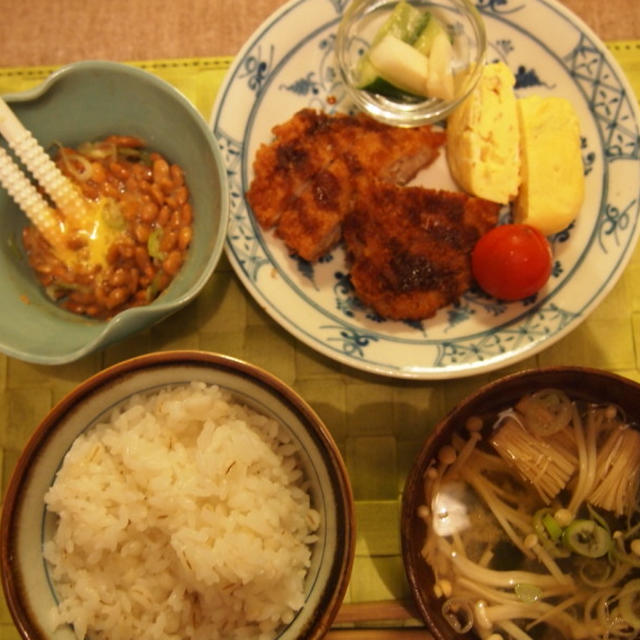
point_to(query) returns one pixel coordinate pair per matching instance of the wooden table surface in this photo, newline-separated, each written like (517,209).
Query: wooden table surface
(51,32)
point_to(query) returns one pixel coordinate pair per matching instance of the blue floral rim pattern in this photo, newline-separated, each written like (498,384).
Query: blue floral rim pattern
(288,64)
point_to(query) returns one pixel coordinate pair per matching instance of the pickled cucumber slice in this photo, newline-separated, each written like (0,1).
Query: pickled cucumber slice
(423,54)
(382,87)
(440,81)
(400,64)
(405,23)
(424,41)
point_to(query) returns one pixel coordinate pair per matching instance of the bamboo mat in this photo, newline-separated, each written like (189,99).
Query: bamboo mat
(378,423)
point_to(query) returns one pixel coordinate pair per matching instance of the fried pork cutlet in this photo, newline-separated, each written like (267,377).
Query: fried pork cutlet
(410,247)
(311,223)
(304,180)
(284,167)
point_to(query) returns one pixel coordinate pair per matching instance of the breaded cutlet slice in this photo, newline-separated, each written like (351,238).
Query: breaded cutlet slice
(283,168)
(392,154)
(311,141)
(409,247)
(310,221)
(311,224)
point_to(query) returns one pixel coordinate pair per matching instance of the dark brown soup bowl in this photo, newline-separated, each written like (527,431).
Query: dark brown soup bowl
(578,382)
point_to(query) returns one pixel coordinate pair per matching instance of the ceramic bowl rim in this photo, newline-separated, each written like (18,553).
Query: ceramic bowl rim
(427,450)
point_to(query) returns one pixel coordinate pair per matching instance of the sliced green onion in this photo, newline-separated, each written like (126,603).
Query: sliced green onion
(587,538)
(528,592)
(153,244)
(129,153)
(77,165)
(551,545)
(551,525)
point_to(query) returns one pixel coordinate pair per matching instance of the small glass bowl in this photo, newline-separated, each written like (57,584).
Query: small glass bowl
(360,23)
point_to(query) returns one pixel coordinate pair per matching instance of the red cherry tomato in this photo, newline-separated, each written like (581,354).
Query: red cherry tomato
(512,261)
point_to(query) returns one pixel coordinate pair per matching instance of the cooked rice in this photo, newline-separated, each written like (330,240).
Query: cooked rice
(184,515)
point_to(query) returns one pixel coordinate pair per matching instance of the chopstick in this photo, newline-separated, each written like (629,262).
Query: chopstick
(399,633)
(29,200)
(385,611)
(44,170)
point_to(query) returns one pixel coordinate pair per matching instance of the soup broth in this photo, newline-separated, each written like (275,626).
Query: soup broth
(533,524)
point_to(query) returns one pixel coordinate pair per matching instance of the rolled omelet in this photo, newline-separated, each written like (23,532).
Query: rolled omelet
(483,138)
(552,174)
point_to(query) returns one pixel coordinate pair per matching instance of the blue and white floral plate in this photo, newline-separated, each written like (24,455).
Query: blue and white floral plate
(289,64)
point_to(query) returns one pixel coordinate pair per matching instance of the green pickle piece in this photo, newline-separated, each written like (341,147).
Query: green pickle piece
(385,88)
(368,75)
(427,35)
(405,22)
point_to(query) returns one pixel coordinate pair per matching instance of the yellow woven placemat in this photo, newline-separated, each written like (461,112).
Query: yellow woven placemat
(379,424)
(200,78)
(197,78)
(627,53)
